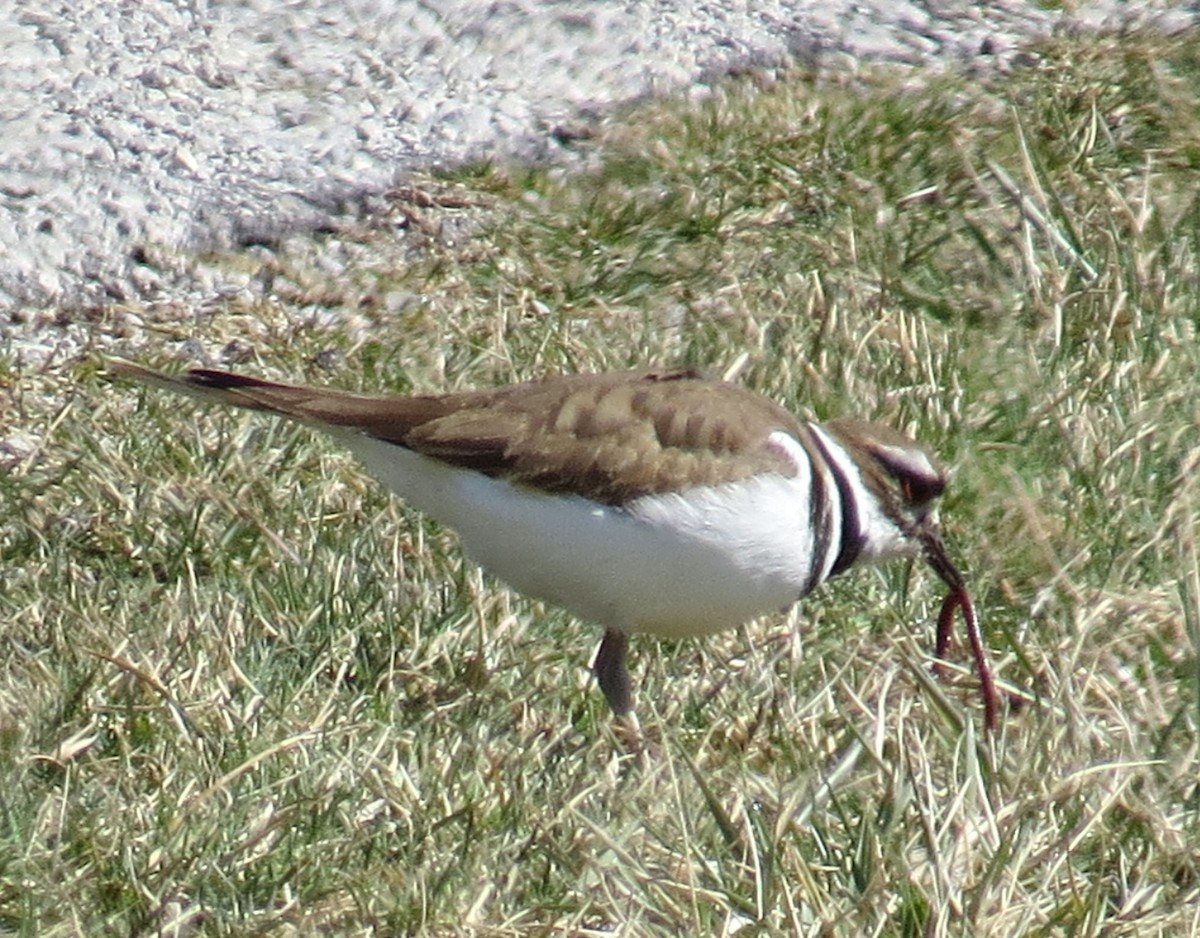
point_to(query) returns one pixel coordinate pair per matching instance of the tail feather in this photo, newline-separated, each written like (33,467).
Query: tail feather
(216,387)
(388,418)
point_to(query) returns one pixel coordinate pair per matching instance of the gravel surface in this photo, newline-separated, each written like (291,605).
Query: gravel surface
(140,132)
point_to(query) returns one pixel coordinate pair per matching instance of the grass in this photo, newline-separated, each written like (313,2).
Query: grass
(243,692)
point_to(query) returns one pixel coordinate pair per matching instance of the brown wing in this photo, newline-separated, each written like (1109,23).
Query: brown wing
(611,437)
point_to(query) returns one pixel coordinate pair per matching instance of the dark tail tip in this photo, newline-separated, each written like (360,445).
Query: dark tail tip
(212,378)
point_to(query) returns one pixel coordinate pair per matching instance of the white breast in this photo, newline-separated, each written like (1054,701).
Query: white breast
(676,564)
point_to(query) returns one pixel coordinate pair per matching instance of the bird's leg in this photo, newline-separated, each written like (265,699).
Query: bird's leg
(613,677)
(611,673)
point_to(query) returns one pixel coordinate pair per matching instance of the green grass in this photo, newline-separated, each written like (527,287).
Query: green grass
(245,693)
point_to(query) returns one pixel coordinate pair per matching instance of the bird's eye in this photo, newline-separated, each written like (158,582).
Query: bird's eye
(919,490)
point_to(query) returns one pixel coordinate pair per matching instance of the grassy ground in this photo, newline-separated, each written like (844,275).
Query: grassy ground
(243,692)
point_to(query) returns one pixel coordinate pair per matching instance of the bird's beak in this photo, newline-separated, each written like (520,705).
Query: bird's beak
(936,556)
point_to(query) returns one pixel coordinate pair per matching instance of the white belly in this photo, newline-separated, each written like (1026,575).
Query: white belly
(672,564)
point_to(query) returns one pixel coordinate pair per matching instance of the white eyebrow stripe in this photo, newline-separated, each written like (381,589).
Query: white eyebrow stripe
(912,459)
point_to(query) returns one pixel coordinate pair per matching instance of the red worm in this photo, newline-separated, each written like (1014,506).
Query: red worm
(987,685)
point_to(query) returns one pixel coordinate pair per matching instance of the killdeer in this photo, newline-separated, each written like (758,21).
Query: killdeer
(644,501)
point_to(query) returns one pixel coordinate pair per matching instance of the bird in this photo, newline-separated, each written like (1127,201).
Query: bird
(653,501)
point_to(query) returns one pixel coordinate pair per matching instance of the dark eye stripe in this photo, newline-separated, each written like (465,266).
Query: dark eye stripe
(918,486)
(920,489)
